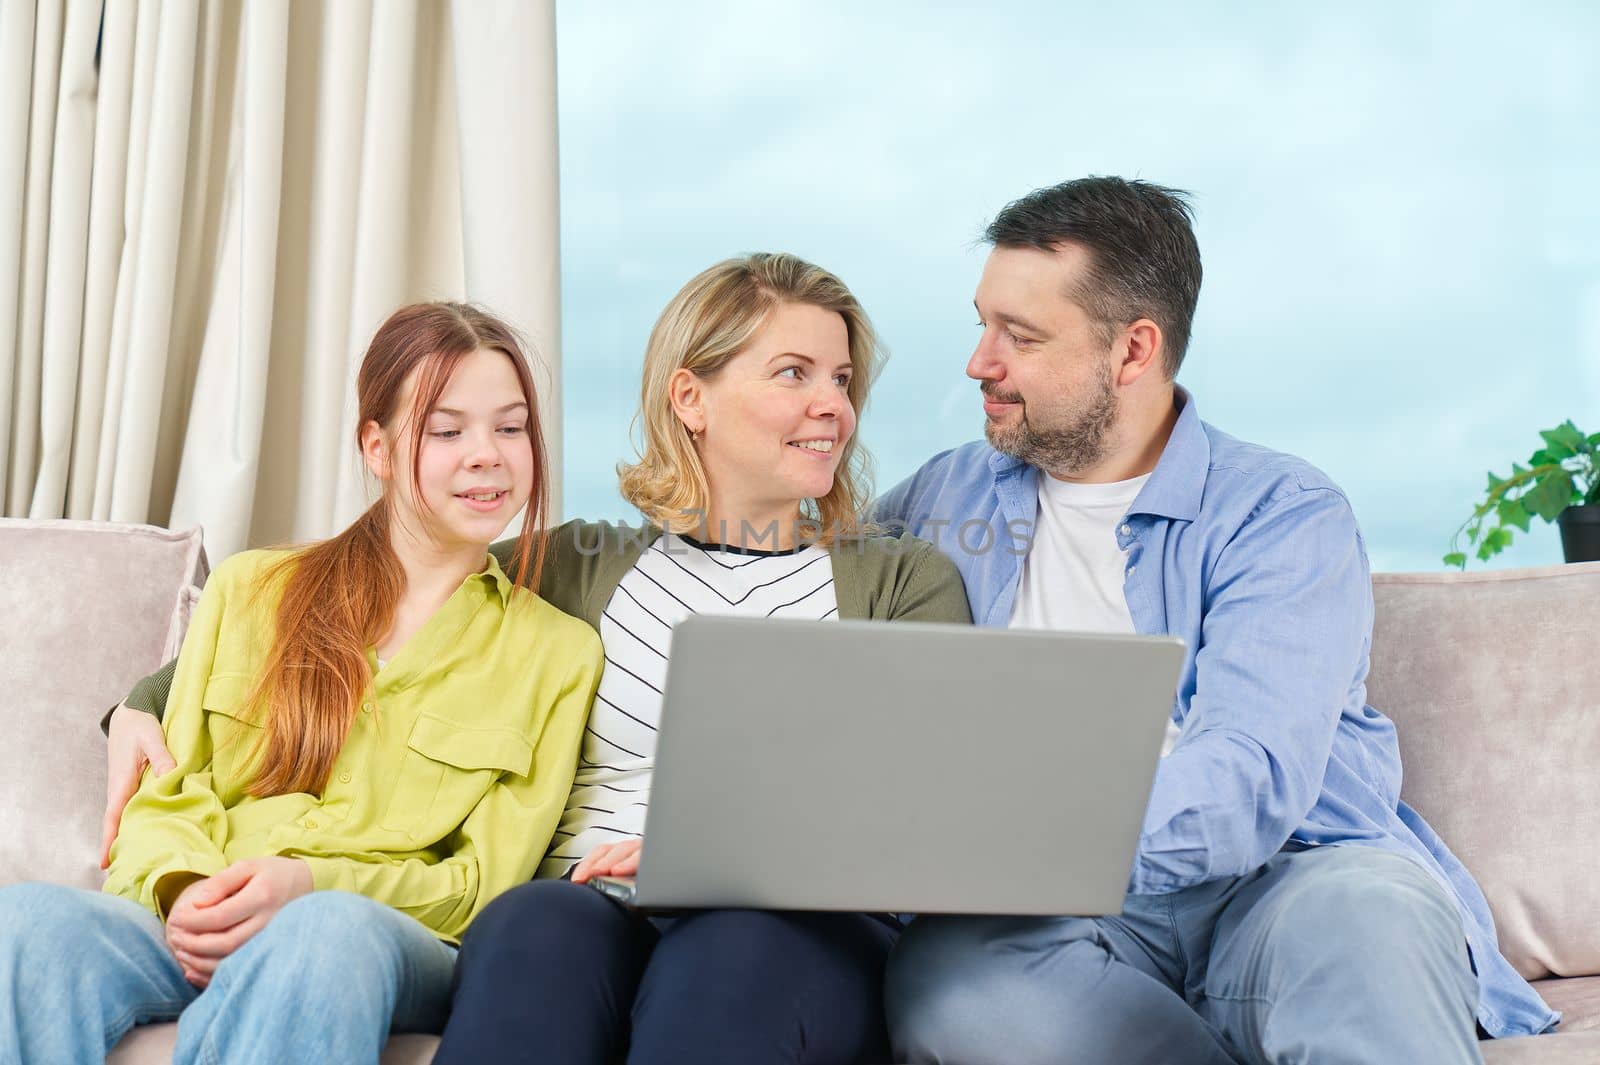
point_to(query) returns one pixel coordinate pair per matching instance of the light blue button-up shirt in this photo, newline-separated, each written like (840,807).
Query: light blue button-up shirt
(1253,557)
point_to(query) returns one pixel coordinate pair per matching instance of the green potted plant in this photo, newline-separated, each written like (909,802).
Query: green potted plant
(1560,483)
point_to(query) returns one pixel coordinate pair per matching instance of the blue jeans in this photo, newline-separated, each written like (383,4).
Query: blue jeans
(554,972)
(326,980)
(1331,955)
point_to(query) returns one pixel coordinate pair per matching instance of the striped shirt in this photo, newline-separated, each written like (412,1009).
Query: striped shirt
(673,579)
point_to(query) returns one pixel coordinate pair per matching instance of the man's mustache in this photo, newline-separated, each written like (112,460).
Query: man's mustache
(994,393)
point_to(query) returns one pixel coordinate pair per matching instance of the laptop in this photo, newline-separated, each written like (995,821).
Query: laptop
(906,767)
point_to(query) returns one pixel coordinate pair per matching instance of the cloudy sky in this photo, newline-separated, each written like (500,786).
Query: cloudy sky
(1398,210)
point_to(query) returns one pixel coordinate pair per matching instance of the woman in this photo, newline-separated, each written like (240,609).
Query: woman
(751,478)
(373,737)
(750,475)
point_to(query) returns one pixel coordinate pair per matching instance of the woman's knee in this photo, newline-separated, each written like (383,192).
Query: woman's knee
(537,903)
(731,948)
(734,952)
(548,964)
(537,923)
(748,986)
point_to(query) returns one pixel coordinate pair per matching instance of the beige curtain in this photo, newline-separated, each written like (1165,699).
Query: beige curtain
(207,207)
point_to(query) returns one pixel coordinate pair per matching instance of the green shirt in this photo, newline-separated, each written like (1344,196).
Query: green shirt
(448,786)
(875,577)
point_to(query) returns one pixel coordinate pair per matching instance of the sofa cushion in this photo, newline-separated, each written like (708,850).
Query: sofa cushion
(86,608)
(1578,1000)
(1491,679)
(153,1045)
(1580,1049)
(1575,1042)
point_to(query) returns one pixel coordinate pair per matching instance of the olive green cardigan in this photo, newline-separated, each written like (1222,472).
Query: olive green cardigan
(875,578)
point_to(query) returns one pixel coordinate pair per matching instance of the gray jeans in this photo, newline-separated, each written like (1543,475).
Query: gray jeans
(1327,955)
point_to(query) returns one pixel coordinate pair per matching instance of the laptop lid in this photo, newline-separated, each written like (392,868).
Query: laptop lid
(907,767)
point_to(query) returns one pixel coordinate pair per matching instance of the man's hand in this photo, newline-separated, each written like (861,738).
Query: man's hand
(609,859)
(135,740)
(216,916)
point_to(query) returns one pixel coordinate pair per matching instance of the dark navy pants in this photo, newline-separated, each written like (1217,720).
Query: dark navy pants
(553,971)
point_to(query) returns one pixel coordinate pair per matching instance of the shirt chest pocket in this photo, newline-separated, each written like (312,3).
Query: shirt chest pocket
(445,769)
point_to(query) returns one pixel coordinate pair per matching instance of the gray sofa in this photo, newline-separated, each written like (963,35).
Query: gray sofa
(1493,679)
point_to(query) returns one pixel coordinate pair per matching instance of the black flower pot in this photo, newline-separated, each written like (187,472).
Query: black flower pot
(1580,533)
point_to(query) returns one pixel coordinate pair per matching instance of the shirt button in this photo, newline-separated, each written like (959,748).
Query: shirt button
(1126,530)
(344,778)
(310,823)
(1131,570)
(366,708)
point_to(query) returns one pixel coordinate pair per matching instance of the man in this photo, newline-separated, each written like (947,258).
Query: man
(1284,904)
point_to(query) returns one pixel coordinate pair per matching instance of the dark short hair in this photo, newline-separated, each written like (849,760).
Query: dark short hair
(1144,261)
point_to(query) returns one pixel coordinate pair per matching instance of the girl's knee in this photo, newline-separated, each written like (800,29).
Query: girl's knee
(325,937)
(52,913)
(35,916)
(24,905)
(337,918)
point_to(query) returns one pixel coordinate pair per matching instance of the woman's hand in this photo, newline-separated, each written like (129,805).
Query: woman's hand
(609,859)
(216,916)
(135,740)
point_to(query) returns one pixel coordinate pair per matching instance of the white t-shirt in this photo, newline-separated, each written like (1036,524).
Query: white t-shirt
(1073,575)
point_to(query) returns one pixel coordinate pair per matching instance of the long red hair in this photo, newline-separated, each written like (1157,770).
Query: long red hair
(340,595)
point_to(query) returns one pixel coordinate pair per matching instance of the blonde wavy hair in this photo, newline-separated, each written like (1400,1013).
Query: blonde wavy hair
(711,319)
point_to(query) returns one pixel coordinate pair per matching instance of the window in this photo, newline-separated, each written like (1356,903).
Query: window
(1398,209)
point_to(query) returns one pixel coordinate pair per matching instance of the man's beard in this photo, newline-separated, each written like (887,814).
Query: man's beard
(1070,449)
